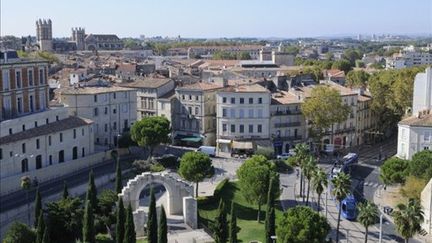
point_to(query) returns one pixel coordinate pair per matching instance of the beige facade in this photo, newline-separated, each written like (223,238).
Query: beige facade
(113,109)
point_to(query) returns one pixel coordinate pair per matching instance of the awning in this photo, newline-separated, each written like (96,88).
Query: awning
(223,140)
(242,145)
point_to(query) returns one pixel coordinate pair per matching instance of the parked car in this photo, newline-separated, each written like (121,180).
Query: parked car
(284,156)
(209,150)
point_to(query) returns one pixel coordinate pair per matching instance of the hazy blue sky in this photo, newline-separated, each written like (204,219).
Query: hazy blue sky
(222,18)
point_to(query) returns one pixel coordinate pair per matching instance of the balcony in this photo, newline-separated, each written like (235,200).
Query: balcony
(285,113)
(287,124)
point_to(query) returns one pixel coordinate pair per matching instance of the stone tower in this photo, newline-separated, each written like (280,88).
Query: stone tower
(44,34)
(78,36)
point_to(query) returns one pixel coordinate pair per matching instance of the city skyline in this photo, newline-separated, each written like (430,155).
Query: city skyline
(193,19)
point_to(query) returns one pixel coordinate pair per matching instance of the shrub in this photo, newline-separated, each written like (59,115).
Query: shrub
(220,187)
(421,165)
(157,167)
(413,187)
(141,166)
(266,152)
(168,161)
(394,170)
(19,232)
(283,166)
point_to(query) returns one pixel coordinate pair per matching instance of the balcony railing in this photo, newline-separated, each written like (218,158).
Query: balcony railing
(287,124)
(287,112)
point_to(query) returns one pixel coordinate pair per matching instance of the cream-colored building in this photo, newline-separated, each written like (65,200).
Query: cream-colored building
(194,121)
(113,109)
(242,117)
(426,203)
(149,90)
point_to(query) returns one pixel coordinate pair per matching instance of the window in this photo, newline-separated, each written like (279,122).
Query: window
(115,126)
(224,112)
(190,97)
(50,160)
(190,110)
(250,128)
(250,100)
(96,111)
(41,76)
(23,148)
(61,137)
(31,103)
(241,128)
(259,128)
(36,124)
(47,121)
(20,104)
(38,162)
(232,128)
(197,98)
(260,113)
(10,131)
(427,136)
(259,100)
(82,132)
(183,97)
(224,127)
(114,111)
(24,165)
(57,118)
(23,127)
(74,153)
(106,110)
(37,144)
(232,112)
(232,100)
(125,107)
(196,110)
(95,98)
(241,113)
(30,77)
(61,156)
(125,124)
(18,79)
(1,153)
(106,127)
(114,95)
(241,100)
(82,152)
(224,99)
(49,140)
(5,76)
(251,113)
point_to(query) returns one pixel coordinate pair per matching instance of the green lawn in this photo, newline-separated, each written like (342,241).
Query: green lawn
(250,229)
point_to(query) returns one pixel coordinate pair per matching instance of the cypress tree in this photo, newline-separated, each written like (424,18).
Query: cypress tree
(233,225)
(152,227)
(119,185)
(120,225)
(129,233)
(163,228)
(46,236)
(220,227)
(38,208)
(270,228)
(65,190)
(91,191)
(40,229)
(88,224)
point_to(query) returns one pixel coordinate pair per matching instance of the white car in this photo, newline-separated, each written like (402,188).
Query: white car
(284,156)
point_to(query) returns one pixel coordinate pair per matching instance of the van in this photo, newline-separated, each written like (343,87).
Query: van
(209,150)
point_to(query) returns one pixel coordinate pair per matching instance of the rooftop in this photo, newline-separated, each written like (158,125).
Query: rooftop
(201,86)
(146,83)
(423,120)
(284,97)
(253,88)
(57,126)
(92,90)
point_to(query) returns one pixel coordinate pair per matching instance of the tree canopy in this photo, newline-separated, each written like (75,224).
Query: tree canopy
(195,166)
(421,165)
(357,78)
(394,170)
(19,232)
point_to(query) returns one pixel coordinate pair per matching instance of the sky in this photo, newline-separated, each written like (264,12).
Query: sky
(221,18)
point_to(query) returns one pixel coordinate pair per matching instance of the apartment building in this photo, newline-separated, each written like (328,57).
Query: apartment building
(113,109)
(242,118)
(148,91)
(194,121)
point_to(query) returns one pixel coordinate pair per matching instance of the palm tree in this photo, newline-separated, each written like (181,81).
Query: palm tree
(301,152)
(319,182)
(26,185)
(341,188)
(368,215)
(408,218)
(309,168)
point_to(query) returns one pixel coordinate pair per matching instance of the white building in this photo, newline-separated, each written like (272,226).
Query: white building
(415,132)
(77,75)
(113,109)
(242,117)
(426,203)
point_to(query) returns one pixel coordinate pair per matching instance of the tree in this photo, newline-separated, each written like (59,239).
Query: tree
(163,228)
(65,190)
(118,182)
(413,187)
(351,55)
(408,219)
(342,65)
(233,225)
(220,226)
(150,132)
(91,191)
(152,227)
(40,228)
(120,222)
(38,208)
(194,167)
(301,152)
(26,185)
(368,215)
(319,182)
(19,232)
(130,235)
(293,50)
(88,224)
(302,224)
(341,187)
(64,219)
(357,78)
(254,177)
(107,200)
(421,165)
(324,108)
(394,170)
(309,170)
(270,228)
(244,55)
